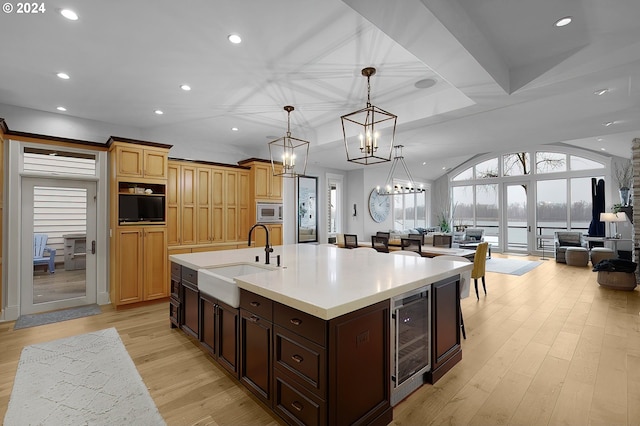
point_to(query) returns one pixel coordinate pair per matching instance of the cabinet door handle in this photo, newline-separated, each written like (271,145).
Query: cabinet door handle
(297,405)
(295,321)
(254,318)
(297,358)
(255,304)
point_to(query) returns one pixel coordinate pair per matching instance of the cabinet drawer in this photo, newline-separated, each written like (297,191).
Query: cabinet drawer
(301,358)
(295,405)
(174,312)
(313,328)
(175,288)
(176,270)
(256,304)
(189,275)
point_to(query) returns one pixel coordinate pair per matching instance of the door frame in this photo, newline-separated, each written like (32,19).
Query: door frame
(26,259)
(504,221)
(12,219)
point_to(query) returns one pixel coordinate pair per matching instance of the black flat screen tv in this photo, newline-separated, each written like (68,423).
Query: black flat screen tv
(140,208)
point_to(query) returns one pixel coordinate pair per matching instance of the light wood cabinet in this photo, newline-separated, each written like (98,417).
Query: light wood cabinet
(275,235)
(264,185)
(188,205)
(204,231)
(174,211)
(244,211)
(154,267)
(138,250)
(141,162)
(141,264)
(212,205)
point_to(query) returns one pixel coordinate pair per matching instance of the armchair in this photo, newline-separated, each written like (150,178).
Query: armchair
(39,248)
(564,239)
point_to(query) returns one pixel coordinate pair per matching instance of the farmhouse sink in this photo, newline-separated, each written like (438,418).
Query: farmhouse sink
(219,282)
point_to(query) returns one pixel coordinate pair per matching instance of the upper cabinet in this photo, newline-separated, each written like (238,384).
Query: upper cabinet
(210,207)
(264,185)
(136,161)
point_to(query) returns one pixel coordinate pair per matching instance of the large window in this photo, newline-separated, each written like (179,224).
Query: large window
(411,210)
(561,198)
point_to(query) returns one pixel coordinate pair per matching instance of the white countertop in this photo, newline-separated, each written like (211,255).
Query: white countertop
(327,281)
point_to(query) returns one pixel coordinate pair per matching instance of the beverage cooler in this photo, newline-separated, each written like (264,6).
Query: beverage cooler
(410,341)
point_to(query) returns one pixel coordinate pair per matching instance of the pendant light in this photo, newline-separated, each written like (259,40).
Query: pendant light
(368,133)
(291,152)
(408,186)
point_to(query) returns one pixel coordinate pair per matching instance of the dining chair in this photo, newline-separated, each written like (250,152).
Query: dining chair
(380,243)
(418,237)
(350,241)
(383,234)
(442,241)
(479,266)
(405,253)
(465,284)
(411,245)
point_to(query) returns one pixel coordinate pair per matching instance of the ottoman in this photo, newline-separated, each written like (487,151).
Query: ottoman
(601,253)
(617,280)
(577,256)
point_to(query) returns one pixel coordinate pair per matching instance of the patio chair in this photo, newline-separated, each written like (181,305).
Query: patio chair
(39,256)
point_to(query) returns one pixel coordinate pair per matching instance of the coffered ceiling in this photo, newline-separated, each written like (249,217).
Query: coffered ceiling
(505,77)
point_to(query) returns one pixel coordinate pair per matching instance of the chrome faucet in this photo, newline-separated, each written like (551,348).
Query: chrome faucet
(267,248)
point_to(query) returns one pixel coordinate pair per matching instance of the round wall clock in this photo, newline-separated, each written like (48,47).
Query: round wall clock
(379,206)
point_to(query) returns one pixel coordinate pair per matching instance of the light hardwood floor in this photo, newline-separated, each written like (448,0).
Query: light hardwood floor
(549,347)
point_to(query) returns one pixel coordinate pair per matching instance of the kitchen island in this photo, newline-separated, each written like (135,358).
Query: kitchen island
(311,338)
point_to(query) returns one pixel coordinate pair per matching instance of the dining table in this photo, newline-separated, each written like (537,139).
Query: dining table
(429,251)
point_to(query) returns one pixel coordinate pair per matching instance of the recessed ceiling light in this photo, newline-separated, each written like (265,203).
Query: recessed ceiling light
(425,83)
(61,108)
(158,112)
(234,38)
(600,92)
(185,87)
(599,139)
(602,149)
(69,14)
(563,21)
(63,75)
(608,123)
(444,168)
(235,129)
(424,163)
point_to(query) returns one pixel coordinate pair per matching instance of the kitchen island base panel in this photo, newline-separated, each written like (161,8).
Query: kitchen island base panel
(435,375)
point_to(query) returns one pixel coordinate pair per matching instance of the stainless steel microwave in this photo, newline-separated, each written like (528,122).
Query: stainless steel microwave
(269,212)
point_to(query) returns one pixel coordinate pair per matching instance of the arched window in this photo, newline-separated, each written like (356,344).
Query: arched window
(515,195)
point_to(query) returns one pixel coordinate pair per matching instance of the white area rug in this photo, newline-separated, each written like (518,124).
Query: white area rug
(82,380)
(510,266)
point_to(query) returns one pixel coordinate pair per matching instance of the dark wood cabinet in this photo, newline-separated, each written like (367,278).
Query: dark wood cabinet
(227,320)
(175,300)
(255,354)
(359,363)
(191,308)
(319,372)
(299,366)
(214,323)
(207,326)
(445,327)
